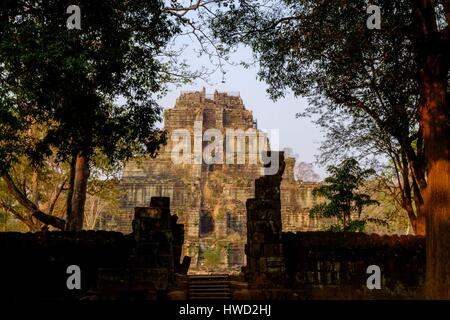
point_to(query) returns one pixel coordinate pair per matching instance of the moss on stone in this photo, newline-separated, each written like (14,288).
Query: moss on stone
(213,256)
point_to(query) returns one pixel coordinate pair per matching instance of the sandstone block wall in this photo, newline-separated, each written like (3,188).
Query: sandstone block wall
(265,262)
(141,265)
(327,265)
(33,265)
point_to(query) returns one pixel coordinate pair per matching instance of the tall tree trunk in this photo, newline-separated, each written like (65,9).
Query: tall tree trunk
(420,223)
(415,215)
(79,192)
(418,201)
(434,120)
(69,217)
(432,57)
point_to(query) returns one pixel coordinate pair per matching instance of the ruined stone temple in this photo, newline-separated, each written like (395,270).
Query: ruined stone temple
(210,199)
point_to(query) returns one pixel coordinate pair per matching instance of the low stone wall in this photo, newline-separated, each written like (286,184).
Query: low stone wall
(34,265)
(334,265)
(138,266)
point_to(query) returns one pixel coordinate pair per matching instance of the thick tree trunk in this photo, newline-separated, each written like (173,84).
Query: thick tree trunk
(421,218)
(433,49)
(420,223)
(437,201)
(434,120)
(417,219)
(76,218)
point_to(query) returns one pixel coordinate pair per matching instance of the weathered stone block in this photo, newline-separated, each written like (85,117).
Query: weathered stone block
(272,250)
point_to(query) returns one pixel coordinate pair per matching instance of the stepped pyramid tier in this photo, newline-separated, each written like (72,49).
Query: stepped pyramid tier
(210,199)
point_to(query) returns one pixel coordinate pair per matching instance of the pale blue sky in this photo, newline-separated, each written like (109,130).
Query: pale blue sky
(299,134)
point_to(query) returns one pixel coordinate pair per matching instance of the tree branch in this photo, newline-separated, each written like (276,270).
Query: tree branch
(184,10)
(55,196)
(29,205)
(26,220)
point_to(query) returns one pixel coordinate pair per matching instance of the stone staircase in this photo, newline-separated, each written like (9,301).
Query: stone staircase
(209,287)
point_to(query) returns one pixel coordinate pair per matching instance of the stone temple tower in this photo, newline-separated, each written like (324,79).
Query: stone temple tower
(210,199)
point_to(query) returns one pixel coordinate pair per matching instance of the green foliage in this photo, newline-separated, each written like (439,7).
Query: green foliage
(213,256)
(68,80)
(91,93)
(344,200)
(192,251)
(221,213)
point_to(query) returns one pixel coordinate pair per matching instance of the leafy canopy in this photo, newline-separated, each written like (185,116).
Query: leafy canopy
(69,81)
